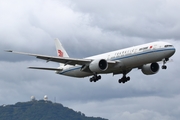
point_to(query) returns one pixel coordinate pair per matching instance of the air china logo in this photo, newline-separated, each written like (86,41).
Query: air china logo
(60,53)
(151,47)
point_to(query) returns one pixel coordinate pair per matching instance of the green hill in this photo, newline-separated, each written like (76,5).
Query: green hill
(41,110)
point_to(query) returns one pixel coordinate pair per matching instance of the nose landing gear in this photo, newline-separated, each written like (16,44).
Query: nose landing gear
(164,62)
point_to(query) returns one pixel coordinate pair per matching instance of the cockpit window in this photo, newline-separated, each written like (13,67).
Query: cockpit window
(168,46)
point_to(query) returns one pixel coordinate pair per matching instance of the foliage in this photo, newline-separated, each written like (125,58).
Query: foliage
(41,110)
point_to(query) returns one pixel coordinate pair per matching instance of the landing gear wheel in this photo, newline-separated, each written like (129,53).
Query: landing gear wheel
(91,79)
(124,79)
(120,81)
(95,78)
(164,67)
(164,62)
(128,78)
(99,77)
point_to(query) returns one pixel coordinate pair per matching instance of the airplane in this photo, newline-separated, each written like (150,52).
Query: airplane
(145,57)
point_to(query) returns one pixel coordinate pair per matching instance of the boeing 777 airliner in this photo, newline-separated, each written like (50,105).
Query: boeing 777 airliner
(144,57)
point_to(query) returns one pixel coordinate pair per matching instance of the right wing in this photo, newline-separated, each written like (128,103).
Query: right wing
(43,68)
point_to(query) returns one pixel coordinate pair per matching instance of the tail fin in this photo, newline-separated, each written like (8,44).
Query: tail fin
(61,52)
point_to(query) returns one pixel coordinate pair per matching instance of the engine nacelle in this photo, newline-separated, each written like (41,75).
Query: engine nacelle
(98,65)
(150,69)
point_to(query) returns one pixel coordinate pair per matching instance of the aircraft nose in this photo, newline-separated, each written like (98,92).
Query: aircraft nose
(173,50)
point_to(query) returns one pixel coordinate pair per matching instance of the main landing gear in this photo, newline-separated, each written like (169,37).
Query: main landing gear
(124,79)
(95,78)
(164,62)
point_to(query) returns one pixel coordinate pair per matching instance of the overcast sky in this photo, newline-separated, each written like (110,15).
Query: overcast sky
(87,28)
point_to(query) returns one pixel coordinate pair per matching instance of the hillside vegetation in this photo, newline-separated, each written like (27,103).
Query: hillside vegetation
(41,110)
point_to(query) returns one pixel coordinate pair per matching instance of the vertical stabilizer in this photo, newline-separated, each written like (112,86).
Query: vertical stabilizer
(61,52)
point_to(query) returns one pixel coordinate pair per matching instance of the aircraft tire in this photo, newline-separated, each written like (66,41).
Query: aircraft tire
(128,78)
(120,80)
(164,67)
(91,79)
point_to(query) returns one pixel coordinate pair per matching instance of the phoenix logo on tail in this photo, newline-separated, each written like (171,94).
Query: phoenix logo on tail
(60,53)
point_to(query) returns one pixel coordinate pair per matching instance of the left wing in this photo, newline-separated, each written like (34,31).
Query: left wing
(65,60)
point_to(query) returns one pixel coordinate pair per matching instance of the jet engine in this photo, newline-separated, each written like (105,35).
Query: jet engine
(150,69)
(98,65)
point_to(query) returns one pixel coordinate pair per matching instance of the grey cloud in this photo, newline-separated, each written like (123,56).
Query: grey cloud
(148,108)
(146,19)
(88,28)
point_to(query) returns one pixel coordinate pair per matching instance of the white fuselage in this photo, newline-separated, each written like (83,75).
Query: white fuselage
(127,59)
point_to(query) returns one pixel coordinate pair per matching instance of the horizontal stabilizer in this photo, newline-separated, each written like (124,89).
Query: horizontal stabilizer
(42,68)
